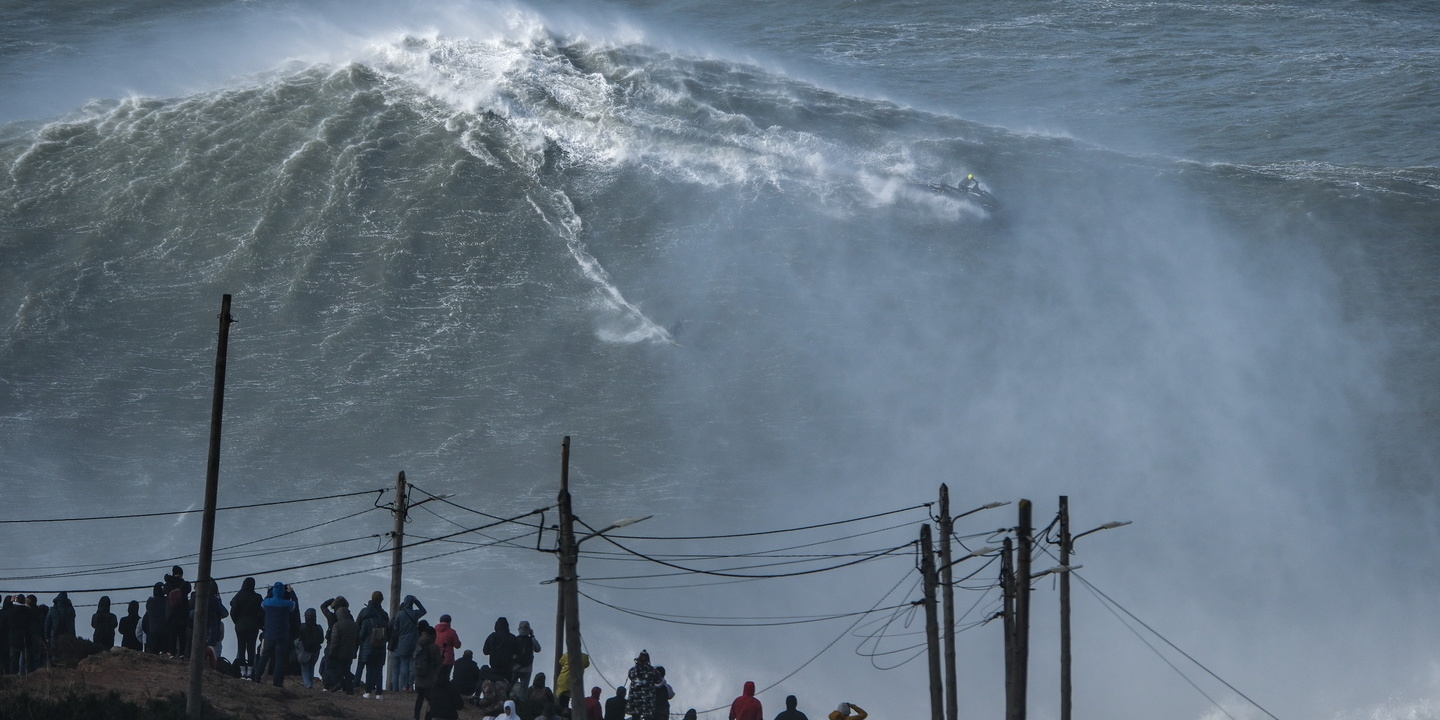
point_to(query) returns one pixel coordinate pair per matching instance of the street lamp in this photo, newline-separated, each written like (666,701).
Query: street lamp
(1066,545)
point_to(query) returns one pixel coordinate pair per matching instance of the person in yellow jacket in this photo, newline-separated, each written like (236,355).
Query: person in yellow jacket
(562,683)
(844,712)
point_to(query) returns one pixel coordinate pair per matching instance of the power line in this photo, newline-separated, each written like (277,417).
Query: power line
(698,620)
(313,564)
(190,512)
(733,575)
(1111,602)
(763,532)
(822,650)
(160,564)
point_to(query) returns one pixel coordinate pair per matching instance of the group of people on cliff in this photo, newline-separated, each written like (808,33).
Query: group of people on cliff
(352,651)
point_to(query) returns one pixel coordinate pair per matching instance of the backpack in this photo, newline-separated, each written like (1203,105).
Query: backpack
(379,634)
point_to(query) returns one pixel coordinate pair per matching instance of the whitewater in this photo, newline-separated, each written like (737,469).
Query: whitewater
(696,238)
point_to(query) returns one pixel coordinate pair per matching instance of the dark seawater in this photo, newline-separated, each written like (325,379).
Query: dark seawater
(695,238)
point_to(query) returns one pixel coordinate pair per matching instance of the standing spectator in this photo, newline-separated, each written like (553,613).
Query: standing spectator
(663,694)
(35,647)
(405,635)
(308,644)
(448,641)
(429,665)
(525,648)
(562,683)
(500,647)
(340,648)
(215,624)
(374,636)
(641,701)
(747,706)
(275,651)
(156,639)
(615,706)
(129,626)
(247,616)
(16,618)
(844,712)
(103,623)
(60,622)
(593,707)
(177,612)
(790,713)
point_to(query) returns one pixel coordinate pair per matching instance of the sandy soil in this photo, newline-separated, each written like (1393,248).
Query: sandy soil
(139,677)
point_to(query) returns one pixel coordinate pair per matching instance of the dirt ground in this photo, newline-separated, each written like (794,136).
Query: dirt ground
(139,677)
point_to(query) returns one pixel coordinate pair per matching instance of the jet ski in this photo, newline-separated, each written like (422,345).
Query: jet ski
(971,193)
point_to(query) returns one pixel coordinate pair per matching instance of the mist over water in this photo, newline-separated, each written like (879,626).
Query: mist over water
(689,237)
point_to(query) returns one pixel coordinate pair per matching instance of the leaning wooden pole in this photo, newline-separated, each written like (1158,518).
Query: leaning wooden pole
(1023,551)
(204,585)
(1007,613)
(947,597)
(563,500)
(397,564)
(1065,607)
(932,640)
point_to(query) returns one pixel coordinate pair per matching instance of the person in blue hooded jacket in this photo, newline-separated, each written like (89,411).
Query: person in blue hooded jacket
(278,607)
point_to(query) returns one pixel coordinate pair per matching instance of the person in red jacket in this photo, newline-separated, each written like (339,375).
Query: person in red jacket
(747,706)
(448,642)
(593,709)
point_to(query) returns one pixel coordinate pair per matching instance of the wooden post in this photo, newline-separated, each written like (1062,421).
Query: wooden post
(947,592)
(1007,589)
(562,541)
(204,584)
(570,582)
(1023,552)
(1065,608)
(397,558)
(932,640)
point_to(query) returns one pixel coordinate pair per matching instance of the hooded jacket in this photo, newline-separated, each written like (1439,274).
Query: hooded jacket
(640,701)
(428,660)
(790,713)
(448,641)
(128,625)
(501,647)
(245,611)
(405,627)
(155,613)
(747,706)
(343,637)
(104,622)
(60,621)
(277,609)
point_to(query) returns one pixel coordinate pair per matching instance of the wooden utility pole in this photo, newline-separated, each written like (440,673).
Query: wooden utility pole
(566,526)
(947,592)
(570,579)
(397,558)
(1024,549)
(932,640)
(1007,612)
(1065,607)
(204,584)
